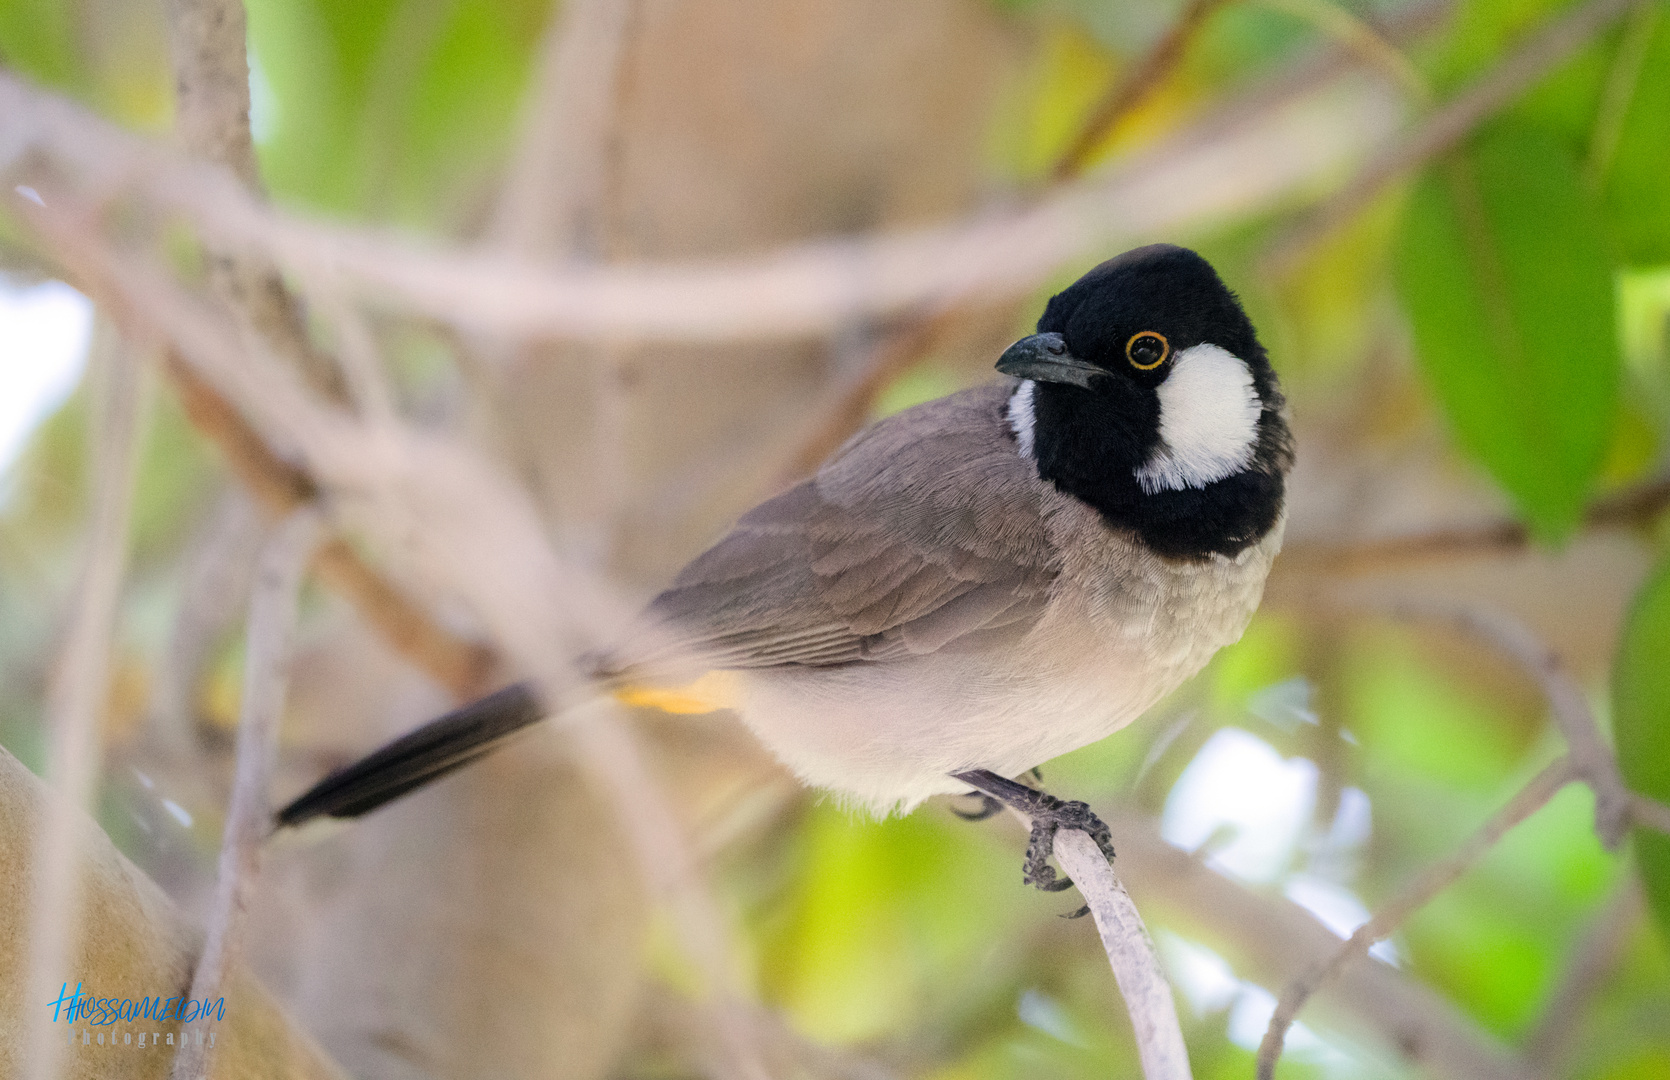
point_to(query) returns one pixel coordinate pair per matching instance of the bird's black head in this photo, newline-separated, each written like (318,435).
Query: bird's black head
(1147,395)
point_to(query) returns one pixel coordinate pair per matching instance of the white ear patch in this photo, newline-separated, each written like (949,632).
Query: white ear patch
(1020,415)
(1208,421)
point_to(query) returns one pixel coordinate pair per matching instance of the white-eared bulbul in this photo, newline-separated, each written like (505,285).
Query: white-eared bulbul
(978,584)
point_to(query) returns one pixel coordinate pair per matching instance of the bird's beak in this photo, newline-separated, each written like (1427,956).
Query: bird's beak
(1044,357)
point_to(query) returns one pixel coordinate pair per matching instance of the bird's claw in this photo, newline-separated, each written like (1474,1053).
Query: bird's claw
(1049,816)
(988,807)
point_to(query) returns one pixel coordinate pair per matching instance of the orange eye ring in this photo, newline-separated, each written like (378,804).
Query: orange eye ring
(1131,348)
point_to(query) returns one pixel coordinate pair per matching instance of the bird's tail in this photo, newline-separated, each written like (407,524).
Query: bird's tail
(471,732)
(418,757)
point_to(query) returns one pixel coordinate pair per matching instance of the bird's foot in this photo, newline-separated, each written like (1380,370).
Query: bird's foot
(1049,815)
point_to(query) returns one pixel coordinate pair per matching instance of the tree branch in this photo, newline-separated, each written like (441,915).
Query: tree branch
(78,692)
(1454,121)
(1149,74)
(272,623)
(1531,798)
(1130,953)
(211,121)
(1634,508)
(1595,957)
(807,290)
(461,666)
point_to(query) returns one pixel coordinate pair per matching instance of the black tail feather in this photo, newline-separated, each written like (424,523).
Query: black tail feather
(418,757)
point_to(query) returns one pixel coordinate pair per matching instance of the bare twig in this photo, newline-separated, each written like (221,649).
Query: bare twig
(554,195)
(1531,798)
(468,532)
(806,290)
(272,623)
(1615,100)
(1629,509)
(1454,121)
(459,665)
(1595,957)
(211,120)
(1592,761)
(1649,813)
(849,408)
(1136,969)
(1362,39)
(1271,940)
(1147,76)
(79,685)
(920,331)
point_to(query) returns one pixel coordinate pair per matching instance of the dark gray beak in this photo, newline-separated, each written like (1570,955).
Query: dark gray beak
(1044,357)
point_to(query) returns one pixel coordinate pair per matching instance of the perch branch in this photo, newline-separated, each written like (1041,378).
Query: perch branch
(79,687)
(1136,969)
(1452,122)
(272,623)
(1531,798)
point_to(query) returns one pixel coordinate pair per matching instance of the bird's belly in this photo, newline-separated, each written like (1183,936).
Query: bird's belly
(887,735)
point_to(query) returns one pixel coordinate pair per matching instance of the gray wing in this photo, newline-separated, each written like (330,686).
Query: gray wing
(925,527)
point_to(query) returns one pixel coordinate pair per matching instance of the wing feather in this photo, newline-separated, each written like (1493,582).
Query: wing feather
(924,528)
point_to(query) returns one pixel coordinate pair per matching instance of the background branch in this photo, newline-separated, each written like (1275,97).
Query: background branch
(78,695)
(1487,95)
(1531,798)
(273,611)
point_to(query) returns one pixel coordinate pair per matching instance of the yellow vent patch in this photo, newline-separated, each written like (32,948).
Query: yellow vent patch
(714,691)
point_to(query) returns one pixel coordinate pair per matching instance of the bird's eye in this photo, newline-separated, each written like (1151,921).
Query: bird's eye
(1147,350)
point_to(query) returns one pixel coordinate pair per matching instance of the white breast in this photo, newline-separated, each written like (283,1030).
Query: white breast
(1208,421)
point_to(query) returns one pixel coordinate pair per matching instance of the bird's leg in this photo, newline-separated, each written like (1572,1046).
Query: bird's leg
(1049,815)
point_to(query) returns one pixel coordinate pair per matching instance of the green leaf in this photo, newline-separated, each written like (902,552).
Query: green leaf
(1641,724)
(1505,274)
(1637,208)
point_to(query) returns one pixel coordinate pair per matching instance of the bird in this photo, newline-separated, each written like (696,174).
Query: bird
(973,586)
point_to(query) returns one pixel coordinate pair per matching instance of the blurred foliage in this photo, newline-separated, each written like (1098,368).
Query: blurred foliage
(1641,719)
(1508,305)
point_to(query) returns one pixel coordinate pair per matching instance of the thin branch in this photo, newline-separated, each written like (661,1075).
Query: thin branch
(1531,798)
(1636,507)
(554,195)
(79,687)
(1149,74)
(1592,761)
(468,532)
(850,407)
(461,666)
(1361,38)
(1272,940)
(806,290)
(1615,99)
(272,624)
(1649,813)
(1487,95)
(921,330)
(1136,969)
(211,120)
(1596,956)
